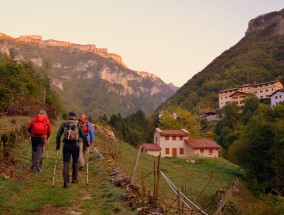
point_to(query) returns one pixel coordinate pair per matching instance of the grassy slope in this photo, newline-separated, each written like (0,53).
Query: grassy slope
(31,193)
(195,177)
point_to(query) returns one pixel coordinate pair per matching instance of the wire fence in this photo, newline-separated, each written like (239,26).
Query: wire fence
(179,203)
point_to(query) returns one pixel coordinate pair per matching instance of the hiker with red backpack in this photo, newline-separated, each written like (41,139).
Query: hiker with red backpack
(39,130)
(71,130)
(89,133)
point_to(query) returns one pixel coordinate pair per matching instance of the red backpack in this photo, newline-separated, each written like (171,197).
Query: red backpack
(84,124)
(39,126)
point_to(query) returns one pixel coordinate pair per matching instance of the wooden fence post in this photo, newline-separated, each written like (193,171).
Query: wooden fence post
(178,196)
(154,189)
(135,164)
(143,187)
(158,177)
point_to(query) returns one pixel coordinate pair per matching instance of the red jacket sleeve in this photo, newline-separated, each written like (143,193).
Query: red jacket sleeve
(48,132)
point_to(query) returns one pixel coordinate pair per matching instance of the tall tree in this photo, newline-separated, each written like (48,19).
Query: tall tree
(260,149)
(179,118)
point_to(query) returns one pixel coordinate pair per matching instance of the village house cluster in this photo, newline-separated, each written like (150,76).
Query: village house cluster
(177,143)
(273,91)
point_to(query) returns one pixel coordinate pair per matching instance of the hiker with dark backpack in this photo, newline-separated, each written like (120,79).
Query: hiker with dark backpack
(89,133)
(39,130)
(71,130)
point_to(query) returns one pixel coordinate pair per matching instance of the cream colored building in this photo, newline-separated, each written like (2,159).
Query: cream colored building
(261,91)
(176,143)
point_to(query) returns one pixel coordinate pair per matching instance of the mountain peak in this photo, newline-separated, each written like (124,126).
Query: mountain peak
(269,24)
(29,38)
(5,36)
(147,74)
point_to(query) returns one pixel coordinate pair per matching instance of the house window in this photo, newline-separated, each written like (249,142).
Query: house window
(180,138)
(210,151)
(201,150)
(167,137)
(279,96)
(174,137)
(167,151)
(156,139)
(276,97)
(181,151)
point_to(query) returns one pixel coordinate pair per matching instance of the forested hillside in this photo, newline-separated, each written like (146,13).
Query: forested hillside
(258,57)
(24,91)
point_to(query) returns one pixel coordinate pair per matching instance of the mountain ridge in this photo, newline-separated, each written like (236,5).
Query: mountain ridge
(76,66)
(257,57)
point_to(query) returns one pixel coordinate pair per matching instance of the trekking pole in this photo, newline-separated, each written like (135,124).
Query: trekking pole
(28,161)
(47,153)
(54,168)
(29,150)
(88,166)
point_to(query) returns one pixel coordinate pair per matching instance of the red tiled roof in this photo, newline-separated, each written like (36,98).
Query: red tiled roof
(178,133)
(151,147)
(253,85)
(198,143)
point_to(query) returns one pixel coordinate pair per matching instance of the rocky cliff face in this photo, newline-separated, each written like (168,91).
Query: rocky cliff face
(91,73)
(85,48)
(272,24)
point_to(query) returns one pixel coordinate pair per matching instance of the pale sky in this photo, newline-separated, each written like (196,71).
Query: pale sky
(173,39)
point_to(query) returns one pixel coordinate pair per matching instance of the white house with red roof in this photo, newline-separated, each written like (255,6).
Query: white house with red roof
(175,143)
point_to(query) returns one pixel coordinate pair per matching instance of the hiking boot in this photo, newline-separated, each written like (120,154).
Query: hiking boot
(32,167)
(75,181)
(39,171)
(66,185)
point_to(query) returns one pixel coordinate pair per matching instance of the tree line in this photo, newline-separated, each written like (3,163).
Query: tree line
(254,139)
(24,90)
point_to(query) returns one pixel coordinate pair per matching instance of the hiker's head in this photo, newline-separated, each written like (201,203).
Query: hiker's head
(42,112)
(83,116)
(72,115)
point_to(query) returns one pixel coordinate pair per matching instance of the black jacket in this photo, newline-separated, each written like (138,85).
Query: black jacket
(63,128)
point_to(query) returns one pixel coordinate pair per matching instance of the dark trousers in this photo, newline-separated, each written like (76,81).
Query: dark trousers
(70,149)
(37,149)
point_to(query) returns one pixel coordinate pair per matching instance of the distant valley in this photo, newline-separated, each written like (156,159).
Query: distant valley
(89,79)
